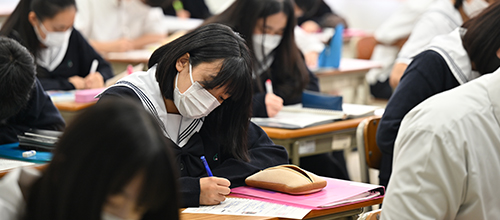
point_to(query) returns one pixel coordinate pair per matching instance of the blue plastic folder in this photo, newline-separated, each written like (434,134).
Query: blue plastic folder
(12,151)
(330,56)
(321,101)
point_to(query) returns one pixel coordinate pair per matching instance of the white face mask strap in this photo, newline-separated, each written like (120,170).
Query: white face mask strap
(191,73)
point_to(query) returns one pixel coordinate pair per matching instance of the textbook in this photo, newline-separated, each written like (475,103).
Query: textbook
(296,116)
(336,193)
(291,117)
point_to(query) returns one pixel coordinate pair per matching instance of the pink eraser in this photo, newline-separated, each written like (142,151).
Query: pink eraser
(87,95)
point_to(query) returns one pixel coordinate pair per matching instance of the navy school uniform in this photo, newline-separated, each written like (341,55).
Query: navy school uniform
(76,62)
(39,113)
(262,151)
(427,74)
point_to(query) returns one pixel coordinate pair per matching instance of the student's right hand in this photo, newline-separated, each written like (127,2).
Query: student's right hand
(77,81)
(213,190)
(274,104)
(122,45)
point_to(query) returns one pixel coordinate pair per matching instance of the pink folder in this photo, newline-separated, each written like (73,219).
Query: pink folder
(336,193)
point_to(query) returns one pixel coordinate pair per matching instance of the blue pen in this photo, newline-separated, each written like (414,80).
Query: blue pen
(209,172)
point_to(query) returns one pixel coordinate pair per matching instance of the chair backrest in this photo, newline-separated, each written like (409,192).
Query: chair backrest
(369,153)
(365,46)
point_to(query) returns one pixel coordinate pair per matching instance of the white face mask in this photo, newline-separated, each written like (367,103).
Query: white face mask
(196,101)
(270,42)
(109,216)
(474,7)
(53,38)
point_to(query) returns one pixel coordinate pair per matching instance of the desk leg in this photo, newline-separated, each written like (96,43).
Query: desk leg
(295,153)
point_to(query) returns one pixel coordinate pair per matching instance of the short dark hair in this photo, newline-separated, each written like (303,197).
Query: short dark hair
(18,21)
(207,44)
(94,160)
(17,77)
(482,39)
(242,16)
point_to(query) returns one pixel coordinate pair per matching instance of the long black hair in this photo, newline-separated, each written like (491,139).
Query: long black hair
(17,25)
(481,41)
(94,160)
(207,44)
(242,16)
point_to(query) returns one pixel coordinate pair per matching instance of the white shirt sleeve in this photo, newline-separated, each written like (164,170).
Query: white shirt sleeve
(154,23)
(429,26)
(429,176)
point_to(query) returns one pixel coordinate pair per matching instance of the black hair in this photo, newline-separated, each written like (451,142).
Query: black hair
(207,44)
(308,6)
(481,41)
(242,16)
(458,4)
(17,77)
(158,3)
(94,160)
(17,24)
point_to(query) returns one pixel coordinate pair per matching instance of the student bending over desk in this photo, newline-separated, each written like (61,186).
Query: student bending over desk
(63,56)
(447,156)
(120,169)
(450,61)
(24,104)
(198,88)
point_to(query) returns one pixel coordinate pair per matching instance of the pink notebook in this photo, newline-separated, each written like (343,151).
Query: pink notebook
(336,193)
(87,95)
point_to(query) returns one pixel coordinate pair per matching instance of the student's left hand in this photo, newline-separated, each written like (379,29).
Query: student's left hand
(311,59)
(94,81)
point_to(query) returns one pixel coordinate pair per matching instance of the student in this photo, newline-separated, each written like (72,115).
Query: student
(121,169)
(63,56)
(446,157)
(451,60)
(390,37)
(441,17)
(269,31)
(24,104)
(119,25)
(268,28)
(315,15)
(198,88)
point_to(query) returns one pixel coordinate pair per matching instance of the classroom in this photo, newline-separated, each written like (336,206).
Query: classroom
(249,109)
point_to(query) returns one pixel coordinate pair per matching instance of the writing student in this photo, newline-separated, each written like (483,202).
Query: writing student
(24,103)
(198,88)
(450,60)
(120,25)
(63,56)
(268,28)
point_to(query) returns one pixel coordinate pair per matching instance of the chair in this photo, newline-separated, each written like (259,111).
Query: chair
(365,46)
(369,153)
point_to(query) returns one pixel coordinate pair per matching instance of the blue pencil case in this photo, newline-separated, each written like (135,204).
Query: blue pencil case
(12,151)
(318,100)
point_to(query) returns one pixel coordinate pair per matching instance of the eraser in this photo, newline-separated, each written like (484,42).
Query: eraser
(29,153)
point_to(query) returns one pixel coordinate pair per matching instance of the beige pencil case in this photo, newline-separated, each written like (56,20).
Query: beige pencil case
(288,179)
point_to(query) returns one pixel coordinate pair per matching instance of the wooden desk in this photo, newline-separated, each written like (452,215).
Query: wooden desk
(315,140)
(70,109)
(333,213)
(348,81)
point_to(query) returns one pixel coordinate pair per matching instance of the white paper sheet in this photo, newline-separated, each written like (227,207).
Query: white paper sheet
(6,164)
(239,206)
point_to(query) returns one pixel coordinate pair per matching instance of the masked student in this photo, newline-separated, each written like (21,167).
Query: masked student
(24,103)
(62,55)
(120,25)
(121,169)
(268,28)
(442,17)
(198,88)
(449,61)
